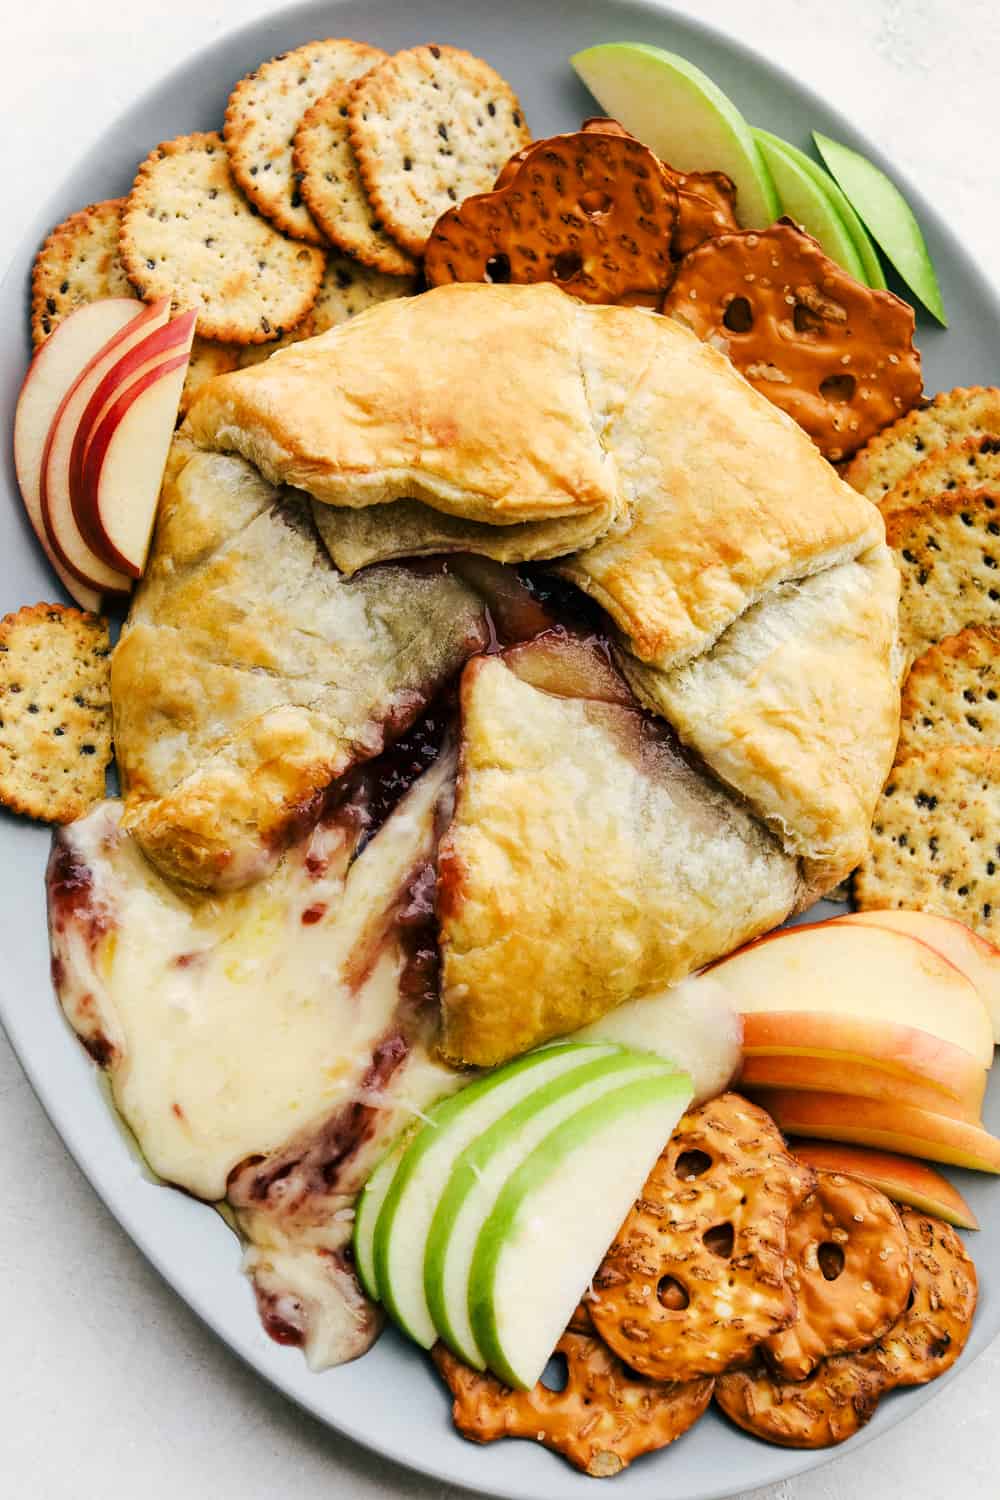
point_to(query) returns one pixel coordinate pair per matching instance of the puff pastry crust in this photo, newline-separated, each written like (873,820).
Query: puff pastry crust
(796,707)
(250,675)
(587,862)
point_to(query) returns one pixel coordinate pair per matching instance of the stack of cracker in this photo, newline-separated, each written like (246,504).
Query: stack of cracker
(936,837)
(313,202)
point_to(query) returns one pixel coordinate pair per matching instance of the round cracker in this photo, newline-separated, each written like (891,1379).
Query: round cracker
(188,232)
(430,127)
(952,417)
(208,359)
(332,187)
(973,463)
(263,114)
(349,288)
(78,263)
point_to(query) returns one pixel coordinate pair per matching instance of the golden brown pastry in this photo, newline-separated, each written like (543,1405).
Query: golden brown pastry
(587,862)
(796,707)
(250,675)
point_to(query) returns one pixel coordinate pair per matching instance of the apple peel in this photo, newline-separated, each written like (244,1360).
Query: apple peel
(902,1178)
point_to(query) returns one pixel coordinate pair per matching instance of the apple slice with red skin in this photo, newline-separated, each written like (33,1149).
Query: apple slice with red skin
(125,459)
(902,1052)
(57,508)
(855,972)
(974,955)
(68,350)
(901,1178)
(891,1127)
(169,339)
(840,1075)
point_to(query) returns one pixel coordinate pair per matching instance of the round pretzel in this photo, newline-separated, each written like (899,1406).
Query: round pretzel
(849,1267)
(829,1406)
(603,1418)
(696,1276)
(935,1327)
(592,212)
(835,355)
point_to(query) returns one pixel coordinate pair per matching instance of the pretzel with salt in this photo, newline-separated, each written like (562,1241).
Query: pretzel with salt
(591,212)
(604,1417)
(935,1327)
(849,1267)
(837,356)
(696,1276)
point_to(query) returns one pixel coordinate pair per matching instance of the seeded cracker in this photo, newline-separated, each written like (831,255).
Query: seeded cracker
(188,231)
(333,190)
(952,695)
(969,465)
(952,417)
(948,552)
(208,359)
(348,288)
(55,711)
(78,263)
(262,117)
(935,843)
(430,127)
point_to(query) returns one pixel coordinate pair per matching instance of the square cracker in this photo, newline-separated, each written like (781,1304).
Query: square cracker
(935,842)
(952,695)
(55,711)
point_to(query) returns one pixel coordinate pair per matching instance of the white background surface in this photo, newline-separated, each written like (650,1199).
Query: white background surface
(109,1388)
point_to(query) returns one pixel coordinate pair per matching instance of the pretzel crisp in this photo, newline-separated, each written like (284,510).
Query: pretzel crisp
(591,212)
(934,1329)
(849,1267)
(835,355)
(603,1418)
(831,1405)
(696,1276)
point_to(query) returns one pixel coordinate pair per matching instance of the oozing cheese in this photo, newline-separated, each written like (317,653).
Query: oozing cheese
(236,1024)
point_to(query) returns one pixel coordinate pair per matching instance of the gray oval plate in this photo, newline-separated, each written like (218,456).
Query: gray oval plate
(390,1400)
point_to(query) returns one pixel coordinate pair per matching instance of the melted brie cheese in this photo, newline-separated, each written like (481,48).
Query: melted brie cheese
(233,1025)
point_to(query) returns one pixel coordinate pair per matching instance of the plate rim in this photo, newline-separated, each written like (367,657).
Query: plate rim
(119,1205)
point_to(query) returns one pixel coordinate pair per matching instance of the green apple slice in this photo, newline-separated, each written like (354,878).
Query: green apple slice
(888,217)
(805,200)
(420,1176)
(874,275)
(676,110)
(555,1218)
(368,1209)
(480,1173)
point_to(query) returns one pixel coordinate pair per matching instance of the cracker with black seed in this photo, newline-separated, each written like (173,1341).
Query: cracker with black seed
(430,127)
(333,190)
(262,117)
(952,695)
(969,465)
(255,354)
(78,263)
(209,359)
(935,843)
(55,711)
(948,553)
(349,288)
(952,417)
(188,232)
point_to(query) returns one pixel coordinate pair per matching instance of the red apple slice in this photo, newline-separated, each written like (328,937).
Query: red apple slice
(125,462)
(57,509)
(849,1075)
(170,339)
(974,955)
(902,1052)
(845,970)
(67,351)
(900,1177)
(892,1127)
